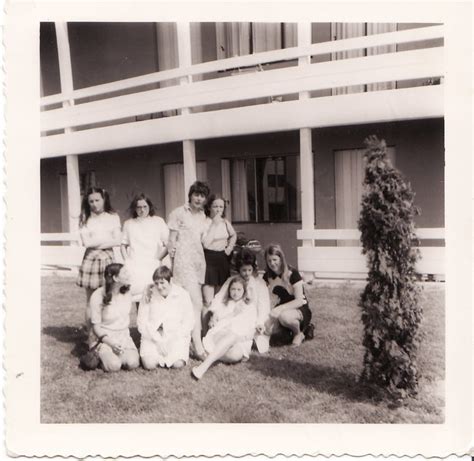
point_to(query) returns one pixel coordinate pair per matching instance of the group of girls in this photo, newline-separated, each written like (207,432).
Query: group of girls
(195,305)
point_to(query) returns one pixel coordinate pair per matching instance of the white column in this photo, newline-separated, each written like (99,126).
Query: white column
(306,151)
(72,162)
(184,60)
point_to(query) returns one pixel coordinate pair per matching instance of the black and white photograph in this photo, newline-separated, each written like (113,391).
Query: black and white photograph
(242,221)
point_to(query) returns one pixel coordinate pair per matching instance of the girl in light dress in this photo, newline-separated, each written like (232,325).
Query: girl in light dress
(165,321)
(187,226)
(144,242)
(232,329)
(110,317)
(99,228)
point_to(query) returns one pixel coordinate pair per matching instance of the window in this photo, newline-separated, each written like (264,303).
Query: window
(263,189)
(241,38)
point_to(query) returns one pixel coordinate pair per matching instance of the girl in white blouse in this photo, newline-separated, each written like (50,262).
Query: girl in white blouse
(165,321)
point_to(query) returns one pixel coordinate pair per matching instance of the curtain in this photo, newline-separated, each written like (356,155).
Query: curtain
(340,31)
(380,28)
(173,175)
(233,39)
(240,206)
(266,36)
(226,187)
(349,177)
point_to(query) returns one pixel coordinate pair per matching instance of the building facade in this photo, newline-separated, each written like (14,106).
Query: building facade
(272,115)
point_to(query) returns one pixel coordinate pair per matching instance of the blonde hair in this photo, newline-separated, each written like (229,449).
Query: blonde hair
(233,280)
(275,250)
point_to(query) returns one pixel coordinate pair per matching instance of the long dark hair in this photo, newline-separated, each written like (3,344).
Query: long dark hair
(111,271)
(85,207)
(132,209)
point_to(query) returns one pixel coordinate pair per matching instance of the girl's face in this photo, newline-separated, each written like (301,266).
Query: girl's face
(217,207)
(142,209)
(197,200)
(236,291)
(274,263)
(246,271)
(96,202)
(163,287)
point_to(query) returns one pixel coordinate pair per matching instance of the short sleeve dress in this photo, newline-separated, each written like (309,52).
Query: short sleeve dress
(91,272)
(189,265)
(146,239)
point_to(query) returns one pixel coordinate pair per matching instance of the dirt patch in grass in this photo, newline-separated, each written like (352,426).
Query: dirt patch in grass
(315,383)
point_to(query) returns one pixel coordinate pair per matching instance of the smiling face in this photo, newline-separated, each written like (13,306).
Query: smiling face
(246,271)
(236,291)
(274,263)
(163,287)
(217,207)
(197,200)
(142,209)
(96,202)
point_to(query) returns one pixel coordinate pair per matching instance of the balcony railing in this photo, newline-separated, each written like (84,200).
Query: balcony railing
(111,116)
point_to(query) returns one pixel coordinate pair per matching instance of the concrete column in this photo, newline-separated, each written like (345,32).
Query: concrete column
(306,151)
(72,162)
(184,60)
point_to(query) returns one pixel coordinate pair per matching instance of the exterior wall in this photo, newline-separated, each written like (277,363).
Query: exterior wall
(123,173)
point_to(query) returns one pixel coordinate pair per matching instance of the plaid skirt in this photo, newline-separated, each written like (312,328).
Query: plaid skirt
(91,272)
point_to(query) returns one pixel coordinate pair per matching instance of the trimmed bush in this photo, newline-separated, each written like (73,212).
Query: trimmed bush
(391,313)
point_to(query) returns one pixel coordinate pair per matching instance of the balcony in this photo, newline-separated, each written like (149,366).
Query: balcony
(264,97)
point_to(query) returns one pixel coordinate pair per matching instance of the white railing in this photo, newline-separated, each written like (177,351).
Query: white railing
(348,261)
(209,94)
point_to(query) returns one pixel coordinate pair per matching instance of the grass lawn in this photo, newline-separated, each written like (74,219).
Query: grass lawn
(315,383)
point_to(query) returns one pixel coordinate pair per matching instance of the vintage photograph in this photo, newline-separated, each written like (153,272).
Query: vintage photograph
(242,222)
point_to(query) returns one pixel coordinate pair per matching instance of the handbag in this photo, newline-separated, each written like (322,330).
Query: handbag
(91,360)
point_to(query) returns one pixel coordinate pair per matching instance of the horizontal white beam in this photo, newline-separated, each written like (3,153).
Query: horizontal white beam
(433,233)
(60,237)
(365,70)
(351,259)
(373,107)
(406,36)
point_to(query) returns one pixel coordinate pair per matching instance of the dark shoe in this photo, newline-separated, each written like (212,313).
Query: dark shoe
(309,332)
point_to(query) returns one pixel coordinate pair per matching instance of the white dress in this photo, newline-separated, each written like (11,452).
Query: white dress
(238,318)
(146,239)
(168,321)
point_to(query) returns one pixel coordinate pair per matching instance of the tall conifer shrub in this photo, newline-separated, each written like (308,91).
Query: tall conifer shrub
(391,313)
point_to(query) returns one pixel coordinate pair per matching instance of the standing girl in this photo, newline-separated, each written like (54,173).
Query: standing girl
(187,226)
(290,310)
(144,241)
(100,232)
(232,330)
(218,245)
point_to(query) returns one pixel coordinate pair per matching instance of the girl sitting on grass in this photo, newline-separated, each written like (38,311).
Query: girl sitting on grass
(232,329)
(110,317)
(165,321)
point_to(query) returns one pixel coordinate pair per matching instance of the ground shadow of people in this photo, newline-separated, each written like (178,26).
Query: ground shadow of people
(78,337)
(319,377)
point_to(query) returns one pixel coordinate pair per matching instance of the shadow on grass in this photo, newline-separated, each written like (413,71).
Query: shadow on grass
(320,378)
(77,336)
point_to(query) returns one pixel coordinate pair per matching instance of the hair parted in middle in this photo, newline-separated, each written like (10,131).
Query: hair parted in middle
(233,280)
(132,209)
(212,198)
(275,250)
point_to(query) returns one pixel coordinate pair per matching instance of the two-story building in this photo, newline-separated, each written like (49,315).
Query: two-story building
(272,115)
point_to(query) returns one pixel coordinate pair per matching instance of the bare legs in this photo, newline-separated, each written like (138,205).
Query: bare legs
(113,362)
(224,351)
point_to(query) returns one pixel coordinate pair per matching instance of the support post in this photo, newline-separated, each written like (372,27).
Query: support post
(72,162)
(184,60)
(306,152)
